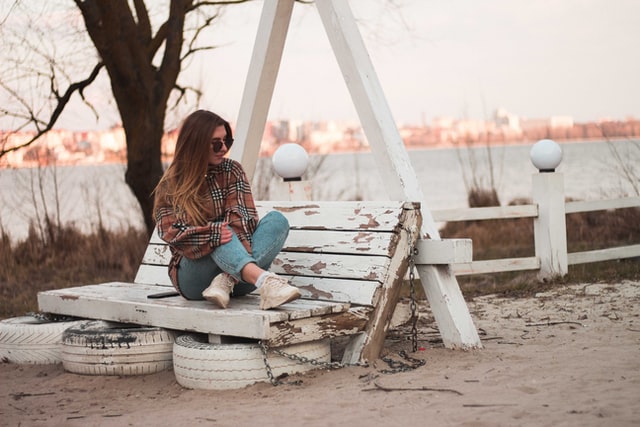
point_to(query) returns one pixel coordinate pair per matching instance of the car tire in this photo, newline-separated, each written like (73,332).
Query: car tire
(108,348)
(32,339)
(198,364)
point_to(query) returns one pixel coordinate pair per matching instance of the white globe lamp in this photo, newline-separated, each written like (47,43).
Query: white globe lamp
(546,155)
(290,161)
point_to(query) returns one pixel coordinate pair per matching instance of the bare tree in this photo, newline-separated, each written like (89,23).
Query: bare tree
(142,52)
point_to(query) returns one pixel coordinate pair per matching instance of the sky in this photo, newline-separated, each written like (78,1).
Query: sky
(456,58)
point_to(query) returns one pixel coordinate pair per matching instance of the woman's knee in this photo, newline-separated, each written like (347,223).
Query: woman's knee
(277,220)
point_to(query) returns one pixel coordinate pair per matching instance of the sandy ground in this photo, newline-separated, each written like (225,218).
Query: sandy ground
(569,357)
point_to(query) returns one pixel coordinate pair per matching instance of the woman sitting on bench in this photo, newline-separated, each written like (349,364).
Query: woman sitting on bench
(205,211)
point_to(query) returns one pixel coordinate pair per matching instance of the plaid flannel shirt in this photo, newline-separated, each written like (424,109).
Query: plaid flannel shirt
(231,201)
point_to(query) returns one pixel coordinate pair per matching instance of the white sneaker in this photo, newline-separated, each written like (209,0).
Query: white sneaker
(275,291)
(219,290)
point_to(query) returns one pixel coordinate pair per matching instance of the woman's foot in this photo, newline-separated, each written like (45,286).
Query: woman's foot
(219,290)
(275,291)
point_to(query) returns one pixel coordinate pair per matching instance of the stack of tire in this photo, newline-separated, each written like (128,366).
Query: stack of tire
(107,348)
(96,347)
(89,347)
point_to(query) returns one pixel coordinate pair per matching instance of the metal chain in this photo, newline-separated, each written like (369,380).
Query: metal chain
(413,251)
(397,365)
(400,366)
(272,379)
(300,359)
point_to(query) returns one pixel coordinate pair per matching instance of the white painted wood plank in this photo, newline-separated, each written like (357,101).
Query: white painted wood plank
(354,348)
(128,303)
(449,307)
(312,329)
(343,242)
(446,251)
(157,254)
(296,309)
(494,212)
(330,265)
(496,266)
(608,254)
(361,292)
(387,297)
(260,82)
(365,205)
(153,275)
(311,242)
(322,288)
(299,264)
(601,205)
(338,216)
(318,241)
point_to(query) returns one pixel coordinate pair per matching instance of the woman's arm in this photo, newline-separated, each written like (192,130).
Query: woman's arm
(240,207)
(191,241)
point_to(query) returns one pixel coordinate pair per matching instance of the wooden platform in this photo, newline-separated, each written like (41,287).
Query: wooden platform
(129,303)
(347,258)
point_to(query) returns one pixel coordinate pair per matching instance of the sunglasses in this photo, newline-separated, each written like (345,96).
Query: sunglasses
(216,143)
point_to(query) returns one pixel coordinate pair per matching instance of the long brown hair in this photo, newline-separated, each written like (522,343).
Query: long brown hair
(183,185)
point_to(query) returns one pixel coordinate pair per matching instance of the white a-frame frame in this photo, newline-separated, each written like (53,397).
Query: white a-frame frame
(439,283)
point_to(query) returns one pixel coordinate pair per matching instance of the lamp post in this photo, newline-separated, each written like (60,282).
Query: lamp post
(290,162)
(549,226)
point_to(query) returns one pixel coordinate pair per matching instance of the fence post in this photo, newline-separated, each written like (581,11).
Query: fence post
(550,231)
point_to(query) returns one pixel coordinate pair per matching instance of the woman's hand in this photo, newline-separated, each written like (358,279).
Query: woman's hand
(225,233)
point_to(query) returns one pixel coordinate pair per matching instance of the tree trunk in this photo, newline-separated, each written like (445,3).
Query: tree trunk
(144,165)
(141,88)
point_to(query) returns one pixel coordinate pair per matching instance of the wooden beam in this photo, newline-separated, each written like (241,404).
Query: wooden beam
(261,79)
(447,303)
(597,255)
(446,251)
(497,265)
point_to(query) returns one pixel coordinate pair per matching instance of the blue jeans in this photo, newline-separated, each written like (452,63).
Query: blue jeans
(195,275)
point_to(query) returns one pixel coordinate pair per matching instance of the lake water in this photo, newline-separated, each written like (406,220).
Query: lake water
(90,195)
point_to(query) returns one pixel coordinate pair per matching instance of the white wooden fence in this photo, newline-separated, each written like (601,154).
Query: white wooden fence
(548,212)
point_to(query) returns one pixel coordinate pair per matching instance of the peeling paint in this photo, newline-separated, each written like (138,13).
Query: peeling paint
(291,269)
(316,293)
(371,276)
(296,208)
(363,238)
(372,222)
(318,267)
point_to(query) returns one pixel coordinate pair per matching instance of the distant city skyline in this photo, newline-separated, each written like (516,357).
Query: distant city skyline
(460,59)
(69,147)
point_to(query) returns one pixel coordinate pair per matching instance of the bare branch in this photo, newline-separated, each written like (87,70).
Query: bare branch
(45,126)
(182,90)
(191,50)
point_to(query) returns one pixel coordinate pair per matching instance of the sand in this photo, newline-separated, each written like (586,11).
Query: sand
(568,357)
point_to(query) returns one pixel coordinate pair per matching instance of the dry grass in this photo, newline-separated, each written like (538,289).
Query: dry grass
(65,258)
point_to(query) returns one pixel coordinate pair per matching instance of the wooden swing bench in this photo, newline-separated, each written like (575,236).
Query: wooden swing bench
(349,260)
